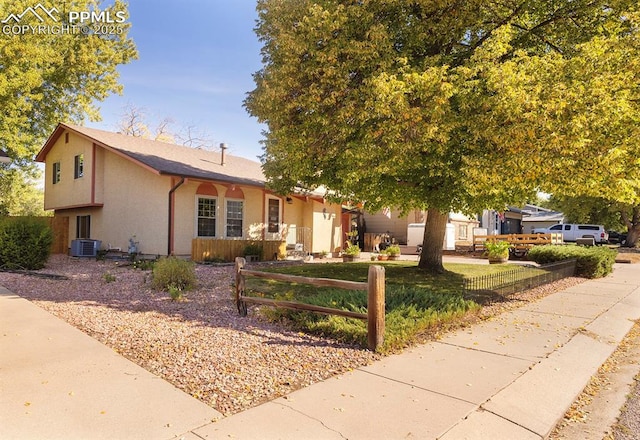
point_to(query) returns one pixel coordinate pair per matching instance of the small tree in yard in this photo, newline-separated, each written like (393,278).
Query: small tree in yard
(448,105)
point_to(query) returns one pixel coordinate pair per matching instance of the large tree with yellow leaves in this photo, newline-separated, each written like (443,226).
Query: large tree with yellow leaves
(449,105)
(50,73)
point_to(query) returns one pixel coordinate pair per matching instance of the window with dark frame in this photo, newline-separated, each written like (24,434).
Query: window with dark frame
(234,218)
(274,216)
(79,166)
(206,217)
(56,172)
(83,226)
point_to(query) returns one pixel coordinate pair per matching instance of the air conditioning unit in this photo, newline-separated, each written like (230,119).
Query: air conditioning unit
(85,247)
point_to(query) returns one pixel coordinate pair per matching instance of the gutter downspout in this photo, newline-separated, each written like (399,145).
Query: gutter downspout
(170,222)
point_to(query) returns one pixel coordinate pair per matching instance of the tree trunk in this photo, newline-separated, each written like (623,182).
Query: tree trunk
(633,225)
(633,236)
(434,230)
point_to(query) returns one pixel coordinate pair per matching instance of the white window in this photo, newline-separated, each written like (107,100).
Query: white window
(56,172)
(235,210)
(462,232)
(207,216)
(78,166)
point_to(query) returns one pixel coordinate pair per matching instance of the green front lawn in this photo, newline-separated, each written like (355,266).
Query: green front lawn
(416,302)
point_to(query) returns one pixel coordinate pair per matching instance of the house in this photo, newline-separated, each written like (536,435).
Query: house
(4,157)
(541,220)
(391,222)
(519,220)
(408,229)
(507,222)
(166,199)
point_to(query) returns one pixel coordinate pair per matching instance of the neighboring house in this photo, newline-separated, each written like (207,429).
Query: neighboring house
(392,222)
(507,222)
(464,226)
(541,220)
(165,197)
(519,220)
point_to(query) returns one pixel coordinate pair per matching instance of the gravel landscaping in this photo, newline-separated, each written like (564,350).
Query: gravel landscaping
(201,345)
(628,426)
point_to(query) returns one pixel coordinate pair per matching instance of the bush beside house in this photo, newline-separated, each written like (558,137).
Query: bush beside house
(25,243)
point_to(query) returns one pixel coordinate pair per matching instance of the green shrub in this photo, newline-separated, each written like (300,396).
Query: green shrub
(108,277)
(497,248)
(25,243)
(253,249)
(214,259)
(143,264)
(175,293)
(392,250)
(174,275)
(592,262)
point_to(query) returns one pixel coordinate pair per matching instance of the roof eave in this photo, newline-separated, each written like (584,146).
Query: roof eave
(53,138)
(229,179)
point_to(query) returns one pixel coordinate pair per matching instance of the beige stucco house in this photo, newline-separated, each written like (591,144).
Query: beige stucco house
(170,198)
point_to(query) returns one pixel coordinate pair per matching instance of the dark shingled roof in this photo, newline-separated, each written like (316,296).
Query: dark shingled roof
(168,159)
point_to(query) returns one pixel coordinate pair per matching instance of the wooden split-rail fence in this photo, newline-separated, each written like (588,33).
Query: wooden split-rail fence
(520,243)
(375,287)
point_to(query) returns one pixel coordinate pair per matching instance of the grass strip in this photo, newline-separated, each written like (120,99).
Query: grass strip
(416,301)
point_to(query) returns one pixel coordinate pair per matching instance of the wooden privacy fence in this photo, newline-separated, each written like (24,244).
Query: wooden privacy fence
(375,287)
(519,242)
(60,226)
(203,249)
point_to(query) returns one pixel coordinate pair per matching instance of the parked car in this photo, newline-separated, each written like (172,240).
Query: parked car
(572,232)
(616,237)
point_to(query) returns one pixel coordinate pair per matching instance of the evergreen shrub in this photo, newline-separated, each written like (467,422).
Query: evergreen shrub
(25,243)
(591,261)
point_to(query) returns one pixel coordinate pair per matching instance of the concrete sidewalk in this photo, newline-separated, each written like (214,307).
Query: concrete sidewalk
(58,383)
(512,377)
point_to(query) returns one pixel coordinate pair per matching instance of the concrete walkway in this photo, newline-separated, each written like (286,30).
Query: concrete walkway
(512,377)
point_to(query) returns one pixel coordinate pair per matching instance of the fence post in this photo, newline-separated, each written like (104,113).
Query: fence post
(375,307)
(242,307)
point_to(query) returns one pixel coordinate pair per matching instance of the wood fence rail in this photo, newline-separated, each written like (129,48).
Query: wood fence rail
(375,287)
(522,242)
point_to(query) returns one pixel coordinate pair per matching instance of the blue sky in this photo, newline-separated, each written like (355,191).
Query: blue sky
(195,66)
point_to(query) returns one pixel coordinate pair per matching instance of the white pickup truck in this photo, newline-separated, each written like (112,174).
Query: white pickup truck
(572,232)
